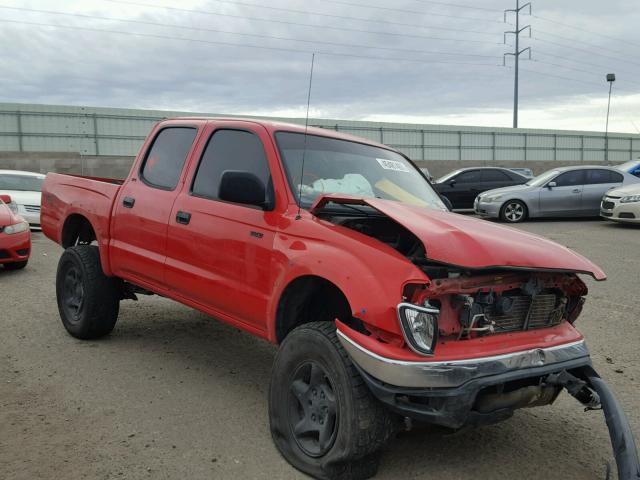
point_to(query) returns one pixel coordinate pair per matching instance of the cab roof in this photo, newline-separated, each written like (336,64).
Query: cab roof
(275,126)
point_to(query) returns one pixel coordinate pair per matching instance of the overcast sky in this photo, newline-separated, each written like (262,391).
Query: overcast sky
(407,60)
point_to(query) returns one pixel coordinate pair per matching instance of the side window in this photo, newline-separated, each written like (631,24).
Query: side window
(229,150)
(165,159)
(468,177)
(568,179)
(636,171)
(618,178)
(596,176)
(495,176)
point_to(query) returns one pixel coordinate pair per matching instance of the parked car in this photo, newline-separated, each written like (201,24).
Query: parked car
(25,189)
(525,172)
(384,304)
(462,186)
(15,237)
(622,204)
(632,167)
(561,192)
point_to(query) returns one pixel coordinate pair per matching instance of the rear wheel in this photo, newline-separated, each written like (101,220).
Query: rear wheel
(513,211)
(324,420)
(88,300)
(15,265)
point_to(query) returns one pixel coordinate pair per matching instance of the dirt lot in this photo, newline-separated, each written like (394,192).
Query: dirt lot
(172,394)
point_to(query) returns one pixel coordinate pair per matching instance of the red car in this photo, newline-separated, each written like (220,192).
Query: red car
(15,237)
(385,305)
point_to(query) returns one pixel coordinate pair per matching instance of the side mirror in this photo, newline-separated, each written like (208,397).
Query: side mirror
(452,183)
(550,185)
(6,199)
(244,188)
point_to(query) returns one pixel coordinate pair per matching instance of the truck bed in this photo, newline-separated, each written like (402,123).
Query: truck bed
(64,195)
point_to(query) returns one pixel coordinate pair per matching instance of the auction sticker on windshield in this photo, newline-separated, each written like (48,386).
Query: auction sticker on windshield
(392,165)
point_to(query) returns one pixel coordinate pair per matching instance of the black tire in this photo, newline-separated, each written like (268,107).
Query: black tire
(88,300)
(360,425)
(16,265)
(513,211)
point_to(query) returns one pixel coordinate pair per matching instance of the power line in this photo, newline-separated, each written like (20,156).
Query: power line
(457,5)
(574,40)
(327,15)
(581,62)
(398,10)
(200,29)
(590,52)
(571,79)
(323,27)
(567,67)
(619,39)
(262,47)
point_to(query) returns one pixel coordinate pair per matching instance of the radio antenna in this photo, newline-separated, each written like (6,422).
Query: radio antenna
(306,127)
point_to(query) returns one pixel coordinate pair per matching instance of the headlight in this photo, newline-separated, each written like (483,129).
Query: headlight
(630,199)
(419,326)
(492,198)
(16,228)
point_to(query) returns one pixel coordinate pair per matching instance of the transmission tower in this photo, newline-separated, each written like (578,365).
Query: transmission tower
(516,52)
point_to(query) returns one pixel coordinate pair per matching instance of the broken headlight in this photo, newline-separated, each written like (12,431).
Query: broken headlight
(419,326)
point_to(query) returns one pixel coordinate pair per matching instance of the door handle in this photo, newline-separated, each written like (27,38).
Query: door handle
(183,217)
(576,190)
(128,202)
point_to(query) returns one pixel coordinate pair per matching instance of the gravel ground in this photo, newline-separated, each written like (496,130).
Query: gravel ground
(172,394)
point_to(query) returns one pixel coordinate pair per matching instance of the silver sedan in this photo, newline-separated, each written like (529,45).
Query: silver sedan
(561,192)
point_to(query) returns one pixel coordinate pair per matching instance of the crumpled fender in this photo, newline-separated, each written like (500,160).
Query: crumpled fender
(371,274)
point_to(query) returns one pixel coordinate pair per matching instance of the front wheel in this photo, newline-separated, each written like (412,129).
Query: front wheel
(513,211)
(88,300)
(324,420)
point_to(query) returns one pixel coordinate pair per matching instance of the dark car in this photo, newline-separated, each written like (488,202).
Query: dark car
(462,186)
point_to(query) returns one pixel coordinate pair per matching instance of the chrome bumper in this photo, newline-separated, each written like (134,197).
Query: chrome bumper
(453,374)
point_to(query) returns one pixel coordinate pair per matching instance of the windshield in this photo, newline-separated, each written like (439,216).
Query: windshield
(340,166)
(21,183)
(543,178)
(449,175)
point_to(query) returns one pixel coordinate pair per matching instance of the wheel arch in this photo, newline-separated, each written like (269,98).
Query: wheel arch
(311,298)
(77,229)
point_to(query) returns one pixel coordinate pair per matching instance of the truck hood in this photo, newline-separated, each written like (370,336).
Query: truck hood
(467,242)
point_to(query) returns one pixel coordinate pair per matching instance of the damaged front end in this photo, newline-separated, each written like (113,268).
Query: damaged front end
(489,331)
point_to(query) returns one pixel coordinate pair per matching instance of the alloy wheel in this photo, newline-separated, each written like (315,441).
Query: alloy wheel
(514,212)
(313,409)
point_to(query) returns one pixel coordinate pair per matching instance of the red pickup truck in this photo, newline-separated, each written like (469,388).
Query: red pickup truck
(386,307)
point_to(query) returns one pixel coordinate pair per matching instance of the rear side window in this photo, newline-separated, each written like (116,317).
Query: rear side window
(468,177)
(618,178)
(495,176)
(237,150)
(596,176)
(165,159)
(568,179)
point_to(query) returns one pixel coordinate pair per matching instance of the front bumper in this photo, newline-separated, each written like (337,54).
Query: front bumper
(15,248)
(445,393)
(486,209)
(613,209)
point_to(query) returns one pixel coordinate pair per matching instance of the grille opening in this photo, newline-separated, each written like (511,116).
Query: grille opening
(540,311)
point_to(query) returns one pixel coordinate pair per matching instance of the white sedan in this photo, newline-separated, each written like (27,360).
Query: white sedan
(622,204)
(25,190)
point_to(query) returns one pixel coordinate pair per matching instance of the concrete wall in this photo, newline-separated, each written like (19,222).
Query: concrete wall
(119,166)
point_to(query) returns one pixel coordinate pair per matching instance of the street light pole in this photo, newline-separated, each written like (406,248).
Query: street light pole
(611,77)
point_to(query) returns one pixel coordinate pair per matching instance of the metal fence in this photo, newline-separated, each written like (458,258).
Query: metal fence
(120,132)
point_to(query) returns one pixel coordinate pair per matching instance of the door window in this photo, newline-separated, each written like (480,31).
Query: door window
(495,176)
(236,150)
(471,176)
(571,178)
(165,159)
(618,178)
(596,176)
